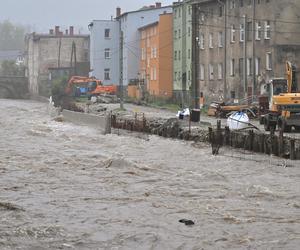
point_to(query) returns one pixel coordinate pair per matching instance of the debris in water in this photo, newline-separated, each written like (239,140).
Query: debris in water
(9,206)
(187,222)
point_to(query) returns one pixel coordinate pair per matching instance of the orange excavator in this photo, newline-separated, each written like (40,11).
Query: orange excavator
(90,86)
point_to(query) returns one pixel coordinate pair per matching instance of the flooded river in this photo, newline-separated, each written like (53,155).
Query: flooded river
(68,187)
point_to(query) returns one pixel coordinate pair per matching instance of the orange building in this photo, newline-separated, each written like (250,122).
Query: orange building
(156,63)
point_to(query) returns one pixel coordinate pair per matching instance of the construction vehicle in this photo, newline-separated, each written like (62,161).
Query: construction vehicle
(90,86)
(284,103)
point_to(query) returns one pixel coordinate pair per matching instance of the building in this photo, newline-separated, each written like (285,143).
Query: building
(54,50)
(124,40)
(156,61)
(12,55)
(182,51)
(105,52)
(243,44)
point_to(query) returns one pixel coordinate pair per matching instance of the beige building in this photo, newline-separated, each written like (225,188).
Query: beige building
(55,51)
(238,38)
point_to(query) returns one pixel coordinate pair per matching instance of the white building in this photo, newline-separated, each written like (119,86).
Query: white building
(104,54)
(128,23)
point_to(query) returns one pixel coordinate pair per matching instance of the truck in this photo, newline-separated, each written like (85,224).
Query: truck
(284,103)
(90,86)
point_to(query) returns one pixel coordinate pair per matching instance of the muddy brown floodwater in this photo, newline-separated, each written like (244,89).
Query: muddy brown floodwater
(68,187)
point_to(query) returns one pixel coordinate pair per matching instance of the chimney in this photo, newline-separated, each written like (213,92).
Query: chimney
(118,12)
(158,4)
(71,30)
(67,32)
(51,31)
(56,30)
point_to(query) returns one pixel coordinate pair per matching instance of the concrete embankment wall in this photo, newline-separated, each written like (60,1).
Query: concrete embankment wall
(99,122)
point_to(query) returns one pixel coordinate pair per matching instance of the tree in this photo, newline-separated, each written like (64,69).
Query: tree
(12,36)
(9,68)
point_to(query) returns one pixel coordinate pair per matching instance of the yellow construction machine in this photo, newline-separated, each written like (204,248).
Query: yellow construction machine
(284,103)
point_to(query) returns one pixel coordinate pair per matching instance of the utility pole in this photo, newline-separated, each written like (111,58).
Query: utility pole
(195,55)
(121,68)
(253,50)
(245,56)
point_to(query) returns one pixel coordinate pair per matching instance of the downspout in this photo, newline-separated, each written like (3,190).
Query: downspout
(223,2)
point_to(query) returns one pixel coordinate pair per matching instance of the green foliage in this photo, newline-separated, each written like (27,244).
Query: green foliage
(12,36)
(9,68)
(58,90)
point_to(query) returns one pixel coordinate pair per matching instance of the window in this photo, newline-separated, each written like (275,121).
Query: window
(189,31)
(143,54)
(210,40)
(242,33)
(241,3)
(232,34)
(154,52)
(179,55)
(220,11)
(107,53)
(221,39)
(258,30)
(106,74)
(154,74)
(257,66)
(232,4)
(175,55)
(107,33)
(175,16)
(249,31)
(202,72)
(148,41)
(189,75)
(241,67)
(175,76)
(179,33)
(175,34)
(267,30)
(249,66)
(220,71)
(179,13)
(232,65)
(189,53)
(210,72)
(190,10)
(201,42)
(269,61)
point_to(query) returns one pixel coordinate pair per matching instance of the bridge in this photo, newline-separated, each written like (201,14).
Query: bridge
(15,87)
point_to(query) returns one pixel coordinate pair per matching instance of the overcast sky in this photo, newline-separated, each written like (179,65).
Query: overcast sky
(42,15)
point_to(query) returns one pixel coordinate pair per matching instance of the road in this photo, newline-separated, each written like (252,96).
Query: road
(69,187)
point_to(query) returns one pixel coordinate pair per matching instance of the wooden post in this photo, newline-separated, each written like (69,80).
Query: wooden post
(280,144)
(292,149)
(251,139)
(227,136)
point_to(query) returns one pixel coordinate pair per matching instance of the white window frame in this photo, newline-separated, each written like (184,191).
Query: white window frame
(201,41)
(257,66)
(242,32)
(220,71)
(107,74)
(210,40)
(211,71)
(232,34)
(249,66)
(221,39)
(107,53)
(267,30)
(232,67)
(269,61)
(107,33)
(258,30)
(202,73)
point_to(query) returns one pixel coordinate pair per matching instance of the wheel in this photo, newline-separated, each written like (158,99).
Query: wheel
(297,128)
(267,123)
(283,126)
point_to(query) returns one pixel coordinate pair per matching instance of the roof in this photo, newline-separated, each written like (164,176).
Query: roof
(10,54)
(148,25)
(144,9)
